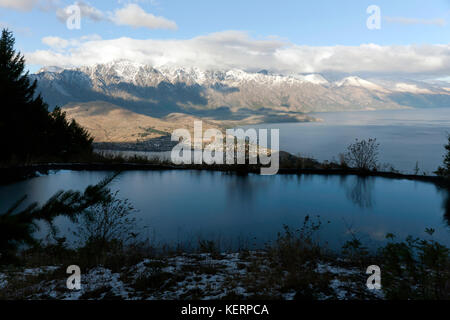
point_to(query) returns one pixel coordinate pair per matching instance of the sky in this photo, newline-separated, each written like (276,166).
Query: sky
(412,37)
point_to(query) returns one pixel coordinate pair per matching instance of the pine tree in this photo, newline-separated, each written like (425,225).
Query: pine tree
(444,171)
(17,226)
(28,131)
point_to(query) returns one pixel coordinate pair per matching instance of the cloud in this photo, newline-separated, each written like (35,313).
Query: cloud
(28,5)
(406,87)
(55,42)
(87,11)
(60,43)
(402,20)
(236,49)
(21,5)
(133,15)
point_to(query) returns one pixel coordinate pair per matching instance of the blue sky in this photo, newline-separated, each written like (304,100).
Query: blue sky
(315,24)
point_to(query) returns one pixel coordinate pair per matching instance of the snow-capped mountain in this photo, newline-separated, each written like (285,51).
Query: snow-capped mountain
(358,82)
(162,90)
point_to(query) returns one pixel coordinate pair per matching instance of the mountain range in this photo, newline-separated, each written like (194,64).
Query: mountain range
(229,97)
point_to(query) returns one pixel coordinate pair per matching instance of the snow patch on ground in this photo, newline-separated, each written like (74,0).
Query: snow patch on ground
(3,280)
(186,276)
(39,271)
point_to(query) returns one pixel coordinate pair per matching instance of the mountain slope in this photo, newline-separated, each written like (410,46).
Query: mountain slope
(227,94)
(111,123)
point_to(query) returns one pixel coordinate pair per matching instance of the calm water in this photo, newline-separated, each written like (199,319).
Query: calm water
(180,206)
(405,136)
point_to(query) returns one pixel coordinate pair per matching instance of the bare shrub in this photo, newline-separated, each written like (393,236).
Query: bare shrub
(109,220)
(363,154)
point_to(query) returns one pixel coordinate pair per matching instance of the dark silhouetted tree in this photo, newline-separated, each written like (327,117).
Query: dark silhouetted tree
(444,171)
(28,131)
(18,225)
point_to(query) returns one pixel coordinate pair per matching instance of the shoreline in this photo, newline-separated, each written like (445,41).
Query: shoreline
(10,175)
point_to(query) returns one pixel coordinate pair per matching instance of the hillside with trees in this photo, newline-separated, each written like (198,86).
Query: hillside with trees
(29,133)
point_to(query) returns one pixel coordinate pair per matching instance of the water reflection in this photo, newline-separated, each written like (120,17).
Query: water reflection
(359,190)
(240,188)
(179,205)
(446,205)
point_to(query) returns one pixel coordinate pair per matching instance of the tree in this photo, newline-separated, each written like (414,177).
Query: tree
(106,221)
(68,137)
(17,227)
(444,171)
(363,155)
(28,131)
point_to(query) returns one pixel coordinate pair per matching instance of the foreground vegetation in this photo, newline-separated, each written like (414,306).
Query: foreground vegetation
(294,267)
(117,263)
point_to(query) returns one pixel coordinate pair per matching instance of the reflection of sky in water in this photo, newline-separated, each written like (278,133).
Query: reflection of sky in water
(180,205)
(405,136)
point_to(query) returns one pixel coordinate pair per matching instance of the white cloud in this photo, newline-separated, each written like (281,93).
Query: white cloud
(28,5)
(58,43)
(133,15)
(55,42)
(405,87)
(87,11)
(22,5)
(235,49)
(403,20)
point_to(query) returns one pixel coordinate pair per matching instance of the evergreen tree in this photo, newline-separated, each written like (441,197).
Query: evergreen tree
(17,226)
(28,131)
(445,169)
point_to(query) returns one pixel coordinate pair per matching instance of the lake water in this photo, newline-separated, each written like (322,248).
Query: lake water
(405,136)
(183,206)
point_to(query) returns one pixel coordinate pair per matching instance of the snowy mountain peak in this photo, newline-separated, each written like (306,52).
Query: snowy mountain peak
(354,81)
(50,69)
(131,72)
(169,88)
(314,78)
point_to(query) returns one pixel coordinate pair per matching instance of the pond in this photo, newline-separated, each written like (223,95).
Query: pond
(249,211)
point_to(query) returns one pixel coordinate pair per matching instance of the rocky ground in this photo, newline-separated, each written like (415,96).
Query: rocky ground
(233,276)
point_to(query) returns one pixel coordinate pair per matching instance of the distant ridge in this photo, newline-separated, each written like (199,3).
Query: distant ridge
(224,93)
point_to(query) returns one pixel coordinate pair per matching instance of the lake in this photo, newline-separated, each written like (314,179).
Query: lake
(405,136)
(183,206)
